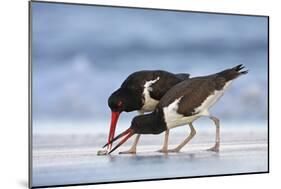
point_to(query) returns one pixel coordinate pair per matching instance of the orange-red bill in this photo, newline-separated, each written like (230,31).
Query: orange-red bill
(114,119)
(127,134)
(117,137)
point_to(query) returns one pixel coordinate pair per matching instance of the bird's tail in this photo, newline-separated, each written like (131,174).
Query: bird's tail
(233,73)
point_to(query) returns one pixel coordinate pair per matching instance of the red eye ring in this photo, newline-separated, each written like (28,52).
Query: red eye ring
(119,103)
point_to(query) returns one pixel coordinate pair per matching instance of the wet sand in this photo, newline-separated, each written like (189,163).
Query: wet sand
(73,159)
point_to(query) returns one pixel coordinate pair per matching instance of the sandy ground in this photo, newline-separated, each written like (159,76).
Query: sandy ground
(72,159)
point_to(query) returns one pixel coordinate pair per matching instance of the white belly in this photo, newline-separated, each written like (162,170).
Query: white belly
(179,120)
(173,118)
(149,105)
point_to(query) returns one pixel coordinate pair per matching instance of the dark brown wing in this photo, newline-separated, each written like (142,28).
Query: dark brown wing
(159,89)
(193,92)
(166,82)
(136,81)
(183,76)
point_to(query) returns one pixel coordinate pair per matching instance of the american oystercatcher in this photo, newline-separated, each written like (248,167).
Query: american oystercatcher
(141,91)
(183,104)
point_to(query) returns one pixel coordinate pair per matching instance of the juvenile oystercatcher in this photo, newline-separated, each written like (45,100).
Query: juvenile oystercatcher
(141,91)
(182,104)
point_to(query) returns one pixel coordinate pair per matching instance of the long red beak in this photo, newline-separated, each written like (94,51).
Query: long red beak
(126,134)
(114,119)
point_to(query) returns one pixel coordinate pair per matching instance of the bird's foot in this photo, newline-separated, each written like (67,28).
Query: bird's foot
(175,150)
(131,151)
(216,148)
(163,150)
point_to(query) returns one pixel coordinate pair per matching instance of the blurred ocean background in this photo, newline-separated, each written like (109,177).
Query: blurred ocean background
(81,54)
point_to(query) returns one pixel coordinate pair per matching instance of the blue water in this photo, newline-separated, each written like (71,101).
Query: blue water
(81,54)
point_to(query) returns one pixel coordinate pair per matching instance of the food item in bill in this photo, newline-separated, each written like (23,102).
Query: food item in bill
(102,152)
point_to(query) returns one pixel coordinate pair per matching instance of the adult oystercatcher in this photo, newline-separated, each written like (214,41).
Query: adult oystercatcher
(182,104)
(141,91)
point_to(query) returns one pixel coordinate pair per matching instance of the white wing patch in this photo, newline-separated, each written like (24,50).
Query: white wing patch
(149,103)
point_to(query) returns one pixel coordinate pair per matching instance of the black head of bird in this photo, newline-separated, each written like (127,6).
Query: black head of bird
(119,101)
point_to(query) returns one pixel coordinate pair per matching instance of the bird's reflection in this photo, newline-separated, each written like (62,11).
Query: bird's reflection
(153,157)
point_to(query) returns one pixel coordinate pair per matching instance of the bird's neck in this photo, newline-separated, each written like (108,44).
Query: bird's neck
(159,122)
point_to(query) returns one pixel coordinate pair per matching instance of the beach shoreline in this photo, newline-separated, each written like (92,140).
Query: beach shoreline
(72,159)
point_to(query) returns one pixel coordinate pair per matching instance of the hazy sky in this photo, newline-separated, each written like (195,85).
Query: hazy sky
(81,54)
